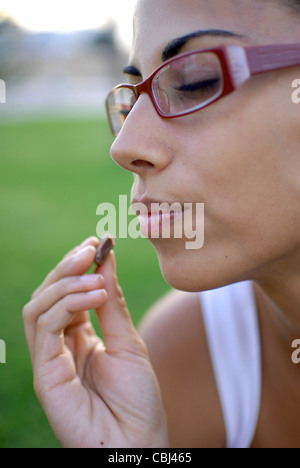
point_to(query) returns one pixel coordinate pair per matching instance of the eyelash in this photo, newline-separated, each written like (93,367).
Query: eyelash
(199,86)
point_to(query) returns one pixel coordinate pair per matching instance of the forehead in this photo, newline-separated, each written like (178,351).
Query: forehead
(158,22)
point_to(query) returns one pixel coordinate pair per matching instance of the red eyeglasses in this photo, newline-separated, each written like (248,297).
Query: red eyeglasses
(194,80)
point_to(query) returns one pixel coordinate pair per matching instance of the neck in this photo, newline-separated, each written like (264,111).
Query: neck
(278,294)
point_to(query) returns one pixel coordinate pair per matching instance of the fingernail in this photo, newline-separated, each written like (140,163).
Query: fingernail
(91,278)
(99,294)
(82,253)
(88,241)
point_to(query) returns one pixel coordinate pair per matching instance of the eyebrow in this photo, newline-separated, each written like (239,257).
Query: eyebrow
(174,47)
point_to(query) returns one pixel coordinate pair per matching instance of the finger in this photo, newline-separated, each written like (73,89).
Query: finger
(81,339)
(75,265)
(115,321)
(49,342)
(52,295)
(91,241)
(94,241)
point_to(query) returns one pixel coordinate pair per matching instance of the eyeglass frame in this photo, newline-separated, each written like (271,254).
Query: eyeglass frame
(238,65)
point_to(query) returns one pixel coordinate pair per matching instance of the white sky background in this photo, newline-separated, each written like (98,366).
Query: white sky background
(71,15)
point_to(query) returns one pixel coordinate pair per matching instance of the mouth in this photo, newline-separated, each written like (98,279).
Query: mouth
(156,218)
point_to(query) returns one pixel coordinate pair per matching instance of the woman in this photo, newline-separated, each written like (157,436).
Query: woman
(221,373)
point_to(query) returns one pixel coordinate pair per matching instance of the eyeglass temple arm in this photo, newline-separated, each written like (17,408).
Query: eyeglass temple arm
(273,57)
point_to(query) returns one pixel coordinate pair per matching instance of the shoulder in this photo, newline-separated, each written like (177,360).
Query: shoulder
(174,333)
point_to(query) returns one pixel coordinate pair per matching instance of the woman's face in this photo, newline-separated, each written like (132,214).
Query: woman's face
(240,156)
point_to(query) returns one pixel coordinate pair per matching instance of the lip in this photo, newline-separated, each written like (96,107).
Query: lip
(155,216)
(154,206)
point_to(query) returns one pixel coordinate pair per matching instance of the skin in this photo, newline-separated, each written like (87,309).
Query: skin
(233,158)
(77,378)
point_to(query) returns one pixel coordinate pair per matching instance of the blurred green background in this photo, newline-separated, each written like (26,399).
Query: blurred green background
(54,172)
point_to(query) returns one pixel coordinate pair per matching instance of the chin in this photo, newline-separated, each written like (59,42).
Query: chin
(184,280)
(199,270)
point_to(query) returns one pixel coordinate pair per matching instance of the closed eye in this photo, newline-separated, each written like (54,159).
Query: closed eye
(203,85)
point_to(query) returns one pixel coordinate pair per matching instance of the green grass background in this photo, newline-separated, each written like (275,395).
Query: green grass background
(53,175)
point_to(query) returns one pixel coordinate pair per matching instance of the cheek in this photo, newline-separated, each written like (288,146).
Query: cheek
(246,169)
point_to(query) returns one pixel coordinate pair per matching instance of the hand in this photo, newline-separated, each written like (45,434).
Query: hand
(94,395)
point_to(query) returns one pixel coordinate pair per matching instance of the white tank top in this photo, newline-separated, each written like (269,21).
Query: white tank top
(232,329)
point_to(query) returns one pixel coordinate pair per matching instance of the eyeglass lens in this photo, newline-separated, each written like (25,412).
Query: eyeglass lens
(182,86)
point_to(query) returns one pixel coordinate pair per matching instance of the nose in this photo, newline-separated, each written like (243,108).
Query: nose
(141,146)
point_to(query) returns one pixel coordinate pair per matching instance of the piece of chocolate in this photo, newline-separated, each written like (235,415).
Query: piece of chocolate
(107,243)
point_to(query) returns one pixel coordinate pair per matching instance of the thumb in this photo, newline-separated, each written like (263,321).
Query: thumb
(114,318)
